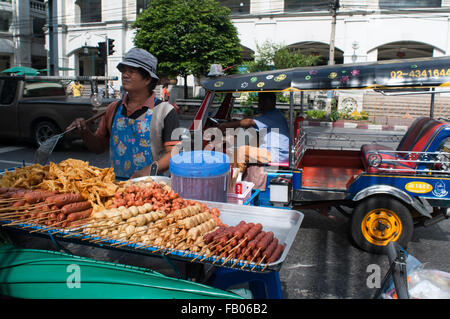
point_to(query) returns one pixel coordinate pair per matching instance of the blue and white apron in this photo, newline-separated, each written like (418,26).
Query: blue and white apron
(130,148)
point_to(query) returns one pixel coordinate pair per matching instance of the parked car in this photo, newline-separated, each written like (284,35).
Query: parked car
(37,110)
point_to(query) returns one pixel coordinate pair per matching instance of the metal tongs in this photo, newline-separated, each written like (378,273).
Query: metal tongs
(46,148)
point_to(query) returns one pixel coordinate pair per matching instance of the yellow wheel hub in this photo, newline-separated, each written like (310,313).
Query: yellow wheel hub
(380,226)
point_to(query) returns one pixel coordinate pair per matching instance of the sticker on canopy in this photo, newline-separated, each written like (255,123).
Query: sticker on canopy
(344,79)
(218,84)
(439,189)
(418,187)
(332,75)
(355,72)
(260,84)
(269,77)
(253,79)
(280,77)
(308,77)
(244,85)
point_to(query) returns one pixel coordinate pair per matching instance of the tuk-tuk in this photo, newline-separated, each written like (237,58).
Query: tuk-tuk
(386,192)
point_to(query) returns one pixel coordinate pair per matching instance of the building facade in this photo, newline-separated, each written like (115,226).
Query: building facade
(22,38)
(365,30)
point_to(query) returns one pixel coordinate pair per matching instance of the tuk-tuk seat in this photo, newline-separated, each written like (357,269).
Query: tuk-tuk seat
(407,140)
(416,139)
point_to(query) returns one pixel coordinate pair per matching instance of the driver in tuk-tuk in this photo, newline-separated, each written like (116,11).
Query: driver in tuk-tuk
(273,146)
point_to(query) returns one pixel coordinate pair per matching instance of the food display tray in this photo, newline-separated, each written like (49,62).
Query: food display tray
(282,222)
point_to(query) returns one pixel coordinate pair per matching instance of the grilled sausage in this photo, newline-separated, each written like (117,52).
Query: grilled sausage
(271,248)
(265,241)
(255,230)
(19,203)
(252,243)
(63,199)
(75,207)
(276,254)
(38,196)
(210,236)
(79,215)
(242,230)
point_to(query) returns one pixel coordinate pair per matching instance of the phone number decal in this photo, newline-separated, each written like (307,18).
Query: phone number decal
(420,73)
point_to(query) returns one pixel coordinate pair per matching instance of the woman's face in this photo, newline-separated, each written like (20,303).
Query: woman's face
(132,81)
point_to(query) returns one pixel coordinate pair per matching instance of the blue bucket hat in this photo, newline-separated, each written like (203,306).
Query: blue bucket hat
(140,58)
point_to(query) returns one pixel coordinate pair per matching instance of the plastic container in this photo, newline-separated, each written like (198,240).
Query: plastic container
(243,195)
(201,175)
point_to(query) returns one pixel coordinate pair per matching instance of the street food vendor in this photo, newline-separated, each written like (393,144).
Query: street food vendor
(276,141)
(138,132)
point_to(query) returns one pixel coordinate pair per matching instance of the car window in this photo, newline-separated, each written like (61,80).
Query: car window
(41,89)
(8,90)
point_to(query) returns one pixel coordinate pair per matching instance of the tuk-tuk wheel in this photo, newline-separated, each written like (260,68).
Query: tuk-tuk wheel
(377,221)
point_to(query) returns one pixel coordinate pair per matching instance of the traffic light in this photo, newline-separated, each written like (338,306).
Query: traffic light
(102,49)
(110,46)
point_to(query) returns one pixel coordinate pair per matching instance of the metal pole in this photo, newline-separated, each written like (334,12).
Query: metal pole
(399,274)
(106,66)
(333,31)
(301,104)
(291,130)
(51,66)
(432,103)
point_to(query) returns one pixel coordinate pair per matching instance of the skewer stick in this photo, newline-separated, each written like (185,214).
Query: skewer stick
(15,214)
(69,229)
(102,238)
(219,257)
(12,216)
(34,220)
(10,208)
(198,253)
(10,200)
(158,249)
(48,227)
(207,256)
(230,256)
(242,241)
(31,209)
(241,257)
(259,262)
(128,242)
(254,256)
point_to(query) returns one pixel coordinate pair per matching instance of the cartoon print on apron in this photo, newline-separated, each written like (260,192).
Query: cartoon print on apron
(130,143)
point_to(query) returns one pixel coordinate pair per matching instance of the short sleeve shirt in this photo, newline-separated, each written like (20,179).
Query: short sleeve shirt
(277,138)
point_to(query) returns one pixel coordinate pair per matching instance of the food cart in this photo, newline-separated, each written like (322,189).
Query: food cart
(388,191)
(156,229)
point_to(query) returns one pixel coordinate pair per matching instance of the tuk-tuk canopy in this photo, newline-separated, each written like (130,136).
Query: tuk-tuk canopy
(424,72)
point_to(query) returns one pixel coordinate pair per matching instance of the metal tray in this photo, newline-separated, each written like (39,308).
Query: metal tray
(283,223)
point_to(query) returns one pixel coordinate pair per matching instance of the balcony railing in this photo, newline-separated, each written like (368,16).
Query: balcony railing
(36,5)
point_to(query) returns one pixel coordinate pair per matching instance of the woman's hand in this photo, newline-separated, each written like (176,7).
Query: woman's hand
(79,123)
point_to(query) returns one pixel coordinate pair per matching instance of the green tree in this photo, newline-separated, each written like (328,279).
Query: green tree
(187,36)
(272,56)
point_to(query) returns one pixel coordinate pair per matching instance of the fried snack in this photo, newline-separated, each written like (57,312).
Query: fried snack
(97,185)
(28,177)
